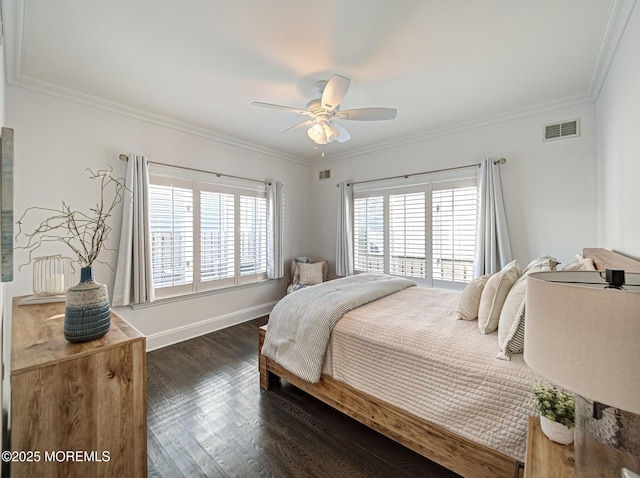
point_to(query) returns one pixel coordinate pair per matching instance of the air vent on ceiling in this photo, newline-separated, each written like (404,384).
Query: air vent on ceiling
(566,129)
(324,174)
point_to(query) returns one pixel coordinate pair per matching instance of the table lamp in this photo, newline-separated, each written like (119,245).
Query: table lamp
(582,333)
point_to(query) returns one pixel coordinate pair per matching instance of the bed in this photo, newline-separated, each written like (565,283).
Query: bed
(451,401)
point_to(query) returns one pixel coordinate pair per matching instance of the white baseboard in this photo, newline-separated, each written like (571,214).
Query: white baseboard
(186,332)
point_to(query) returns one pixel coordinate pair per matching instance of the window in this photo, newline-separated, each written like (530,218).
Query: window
(205,236)
(454,218)
(426,232)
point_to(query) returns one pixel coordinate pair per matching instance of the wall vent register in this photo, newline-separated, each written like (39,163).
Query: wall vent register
(324,174)
(565,129)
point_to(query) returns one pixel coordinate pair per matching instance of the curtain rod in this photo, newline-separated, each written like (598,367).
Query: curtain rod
(405,176)
(125,157)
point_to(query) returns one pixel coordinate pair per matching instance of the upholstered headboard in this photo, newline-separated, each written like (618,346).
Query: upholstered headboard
(606,259)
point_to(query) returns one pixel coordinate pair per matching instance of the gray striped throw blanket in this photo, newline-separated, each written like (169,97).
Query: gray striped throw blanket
(300,324)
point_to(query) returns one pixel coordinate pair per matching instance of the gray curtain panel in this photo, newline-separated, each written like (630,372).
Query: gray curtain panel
(275,259)
(493,247)
(134,279)
(344,243)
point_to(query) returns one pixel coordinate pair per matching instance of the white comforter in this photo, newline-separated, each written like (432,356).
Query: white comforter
(409,350)
(300,324)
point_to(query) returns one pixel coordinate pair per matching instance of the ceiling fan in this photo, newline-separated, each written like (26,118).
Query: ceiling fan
(324,111)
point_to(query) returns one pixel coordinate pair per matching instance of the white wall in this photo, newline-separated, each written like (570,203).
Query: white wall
(618,109)
(549,187)
(55,140)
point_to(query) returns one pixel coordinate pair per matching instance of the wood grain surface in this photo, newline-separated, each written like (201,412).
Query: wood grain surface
(456,453)
(207,417)
(88,399)
(606,259)
(546,459)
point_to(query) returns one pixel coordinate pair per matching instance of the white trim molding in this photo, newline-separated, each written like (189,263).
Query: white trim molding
(617,20)
(203,327)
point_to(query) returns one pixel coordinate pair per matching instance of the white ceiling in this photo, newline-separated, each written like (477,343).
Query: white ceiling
(200,63)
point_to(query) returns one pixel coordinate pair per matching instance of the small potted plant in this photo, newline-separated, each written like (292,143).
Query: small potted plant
(557,412)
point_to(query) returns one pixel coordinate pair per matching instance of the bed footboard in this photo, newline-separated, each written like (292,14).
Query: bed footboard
(456,453)
(268,379)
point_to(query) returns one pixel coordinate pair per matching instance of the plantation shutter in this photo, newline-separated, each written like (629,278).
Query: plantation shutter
(454,217)
(253,234)
(217,234)
(407,232)
(368,232)
(171,225)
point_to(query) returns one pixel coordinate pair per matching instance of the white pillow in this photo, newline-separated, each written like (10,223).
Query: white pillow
(493,296)
(580,263)
(469,302)
(310,274)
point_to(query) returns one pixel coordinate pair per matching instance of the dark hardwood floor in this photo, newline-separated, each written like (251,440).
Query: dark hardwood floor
(208,417)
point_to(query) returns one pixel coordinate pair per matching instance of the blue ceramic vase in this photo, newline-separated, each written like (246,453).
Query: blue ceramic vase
(87,315)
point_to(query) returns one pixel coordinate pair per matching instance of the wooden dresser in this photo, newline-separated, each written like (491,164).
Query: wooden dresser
(76,409)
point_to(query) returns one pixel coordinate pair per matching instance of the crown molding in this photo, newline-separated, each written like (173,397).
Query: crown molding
(146,116)
(617,19)
(15,9)
(614,28)
(463,126)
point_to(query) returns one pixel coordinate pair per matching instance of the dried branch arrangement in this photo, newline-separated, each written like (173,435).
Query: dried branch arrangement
(84,233)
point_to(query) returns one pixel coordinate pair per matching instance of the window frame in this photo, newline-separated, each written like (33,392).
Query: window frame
(390,187)
(198,182)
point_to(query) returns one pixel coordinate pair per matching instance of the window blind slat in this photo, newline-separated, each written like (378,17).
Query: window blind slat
(217,236)
(253,235)
(368,234)
(454,213)
(407,234)
(171,225)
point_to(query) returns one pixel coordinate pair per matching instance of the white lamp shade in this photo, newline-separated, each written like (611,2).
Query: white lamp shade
(585,338)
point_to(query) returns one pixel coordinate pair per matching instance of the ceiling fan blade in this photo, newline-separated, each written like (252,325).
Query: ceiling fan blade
(368,114)
(296,127)
(334,92)
(283,108)
(344,134)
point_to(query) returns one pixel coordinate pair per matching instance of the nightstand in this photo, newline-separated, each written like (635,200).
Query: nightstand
(546,458)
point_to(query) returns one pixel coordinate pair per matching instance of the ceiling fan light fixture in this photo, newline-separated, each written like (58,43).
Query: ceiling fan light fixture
(331,132)
(317,134)
(325,109)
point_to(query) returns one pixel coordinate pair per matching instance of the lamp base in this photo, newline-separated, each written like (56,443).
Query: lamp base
(604,446)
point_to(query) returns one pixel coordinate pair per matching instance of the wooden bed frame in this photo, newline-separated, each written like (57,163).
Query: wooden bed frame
(452,451)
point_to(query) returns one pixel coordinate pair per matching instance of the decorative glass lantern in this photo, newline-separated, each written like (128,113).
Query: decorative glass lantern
(52,275)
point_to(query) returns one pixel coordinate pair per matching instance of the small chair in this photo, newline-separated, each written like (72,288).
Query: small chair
(306,272)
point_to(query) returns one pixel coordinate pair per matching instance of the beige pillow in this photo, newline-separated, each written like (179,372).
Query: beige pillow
(469,302)
(580,264)
(493,296)
(310,274)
